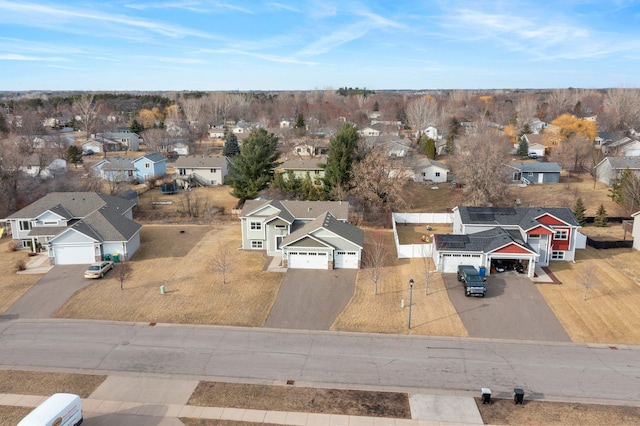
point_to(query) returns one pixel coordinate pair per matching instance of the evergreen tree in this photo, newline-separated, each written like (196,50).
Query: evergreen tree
(376,107)
(454,130)
(136,127)
(431,148)
(601,219)
(578,212)
(74,155)
(309,191)
(253,167)
(231,147)
(3,125)
(342,153)
(300,124)
(449,146)
(523,148)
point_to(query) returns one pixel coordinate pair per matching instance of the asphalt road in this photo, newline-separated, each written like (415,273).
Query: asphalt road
(563,371)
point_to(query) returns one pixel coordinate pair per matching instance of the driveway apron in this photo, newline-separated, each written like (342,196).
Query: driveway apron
(512,308)
(312,299)
(49,293)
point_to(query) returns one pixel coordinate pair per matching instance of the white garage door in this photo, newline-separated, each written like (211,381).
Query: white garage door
(74,255)
(451,261)
(346,260)
(308,260)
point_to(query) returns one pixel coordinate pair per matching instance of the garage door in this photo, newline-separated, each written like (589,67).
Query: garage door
(346,260)
(308,260)
(74,255)
(450,261)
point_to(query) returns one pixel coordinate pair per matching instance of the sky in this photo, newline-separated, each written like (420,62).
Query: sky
(316,45)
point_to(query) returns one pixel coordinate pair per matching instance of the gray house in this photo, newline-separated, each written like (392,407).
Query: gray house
(535,172)
(205,170)
(77,227)
(307,234)
(610,168)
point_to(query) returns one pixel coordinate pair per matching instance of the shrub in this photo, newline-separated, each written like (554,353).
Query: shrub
(20,265)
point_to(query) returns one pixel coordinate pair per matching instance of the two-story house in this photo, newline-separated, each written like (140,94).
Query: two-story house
(205,170)
(301,167)
(77,227)
(529,236)
(307,234)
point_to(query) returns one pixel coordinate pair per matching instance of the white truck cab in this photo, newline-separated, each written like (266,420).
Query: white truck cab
(60,409)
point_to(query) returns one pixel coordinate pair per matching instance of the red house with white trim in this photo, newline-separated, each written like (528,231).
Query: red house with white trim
(492,236)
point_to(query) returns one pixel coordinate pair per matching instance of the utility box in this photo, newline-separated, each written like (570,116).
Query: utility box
(486,395)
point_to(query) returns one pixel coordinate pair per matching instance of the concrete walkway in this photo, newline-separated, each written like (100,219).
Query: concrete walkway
(147,400)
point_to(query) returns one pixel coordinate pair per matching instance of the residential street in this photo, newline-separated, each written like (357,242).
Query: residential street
(595,373)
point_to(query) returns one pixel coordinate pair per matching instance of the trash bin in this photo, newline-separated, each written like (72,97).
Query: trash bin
(518,396)
(486,395)
(116,258)
(482,271)
(107,257)
(162,289)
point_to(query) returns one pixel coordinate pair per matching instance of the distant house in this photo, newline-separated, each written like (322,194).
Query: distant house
(369,131)
(150,166)
(127,140)
(77,227)
(311,148)
(205,170)
(115,169)
(430,132)
(607,138)
(300,167)
(430,171)
(285,124)
(103,145)
(610,168)
(535,145)
(44,168)
(307,234)
(623,147)
(216,133)
(534,172)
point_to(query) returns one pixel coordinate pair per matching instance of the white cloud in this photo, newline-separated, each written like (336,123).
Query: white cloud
(16,57)
(284,7)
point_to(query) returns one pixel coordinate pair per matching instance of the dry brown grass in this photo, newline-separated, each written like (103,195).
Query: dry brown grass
(12,415)
(12,285)
(431,314)
(301,399)
(412,233)
(194,294)
(45,383)
(216,198)
(610,314)
(421,198)
(504,412)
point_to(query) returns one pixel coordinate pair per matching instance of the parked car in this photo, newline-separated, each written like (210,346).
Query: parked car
(87,152)
(172,154)
(97,270)
(473,282)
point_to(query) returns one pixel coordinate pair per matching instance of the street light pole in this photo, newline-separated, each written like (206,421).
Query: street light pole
(410,300)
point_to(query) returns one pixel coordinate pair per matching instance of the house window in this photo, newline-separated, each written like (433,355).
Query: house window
(561,234)
(212,170)
(281,226)
(437,174)
(182,172)
(517,176)
(130,173)
(26,243)
(530,173)
(25,225)
(534,236)
(557,255)
(256,244)
(147,165)
(256,226)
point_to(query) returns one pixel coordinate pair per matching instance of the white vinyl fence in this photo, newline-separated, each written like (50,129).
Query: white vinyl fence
(407,251)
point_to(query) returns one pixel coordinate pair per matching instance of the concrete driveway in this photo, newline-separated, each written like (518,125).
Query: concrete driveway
(311,299)
(512,308)
(49,293)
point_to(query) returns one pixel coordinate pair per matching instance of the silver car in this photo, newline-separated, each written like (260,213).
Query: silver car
(97,270)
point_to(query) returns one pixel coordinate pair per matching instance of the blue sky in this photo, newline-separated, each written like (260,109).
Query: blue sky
(305,45)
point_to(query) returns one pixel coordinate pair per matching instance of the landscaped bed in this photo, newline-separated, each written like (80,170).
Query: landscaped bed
(416,233)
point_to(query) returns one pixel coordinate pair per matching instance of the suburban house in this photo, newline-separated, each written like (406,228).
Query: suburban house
(369,131)
(625,147)
(141,169)
(205,170)
(285,124)
(489,237)
(43,167)
(300,167)
(77,227)
(216,132)
(127,140)
(102,145)
(534,144)
(430,132)
(534,172)
(307,234)
(430,171)
(610,168)
(311,148)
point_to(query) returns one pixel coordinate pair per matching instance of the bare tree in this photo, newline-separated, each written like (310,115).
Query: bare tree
(526,109)
(11,161)
(123,270)
(625,104)
(222,261)
(478,165)
(573,153)
(376,256)
(422,112)
(588,278)
(157,140)
(559,102)
(87,108)
(190,204)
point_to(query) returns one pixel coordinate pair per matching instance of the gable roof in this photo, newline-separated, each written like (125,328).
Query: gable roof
(200,161)
(327,222)
(424,163)
(524,217)
(485,241)
(75,204)
(536,166)
(302,210)
(154,157)
(621,163)
(117,164)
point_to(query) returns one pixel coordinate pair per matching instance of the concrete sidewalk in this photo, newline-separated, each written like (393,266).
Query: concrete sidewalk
(145,400)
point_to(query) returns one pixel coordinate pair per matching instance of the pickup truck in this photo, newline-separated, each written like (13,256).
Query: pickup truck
(473,282)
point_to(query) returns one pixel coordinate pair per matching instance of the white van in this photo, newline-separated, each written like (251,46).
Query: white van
(60,409)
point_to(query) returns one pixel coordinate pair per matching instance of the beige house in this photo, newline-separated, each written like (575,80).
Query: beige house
(204,170)
(300,167)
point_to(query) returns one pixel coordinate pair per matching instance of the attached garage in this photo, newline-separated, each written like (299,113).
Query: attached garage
(449,262)
(345,260)
(74,255)
(308,260)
